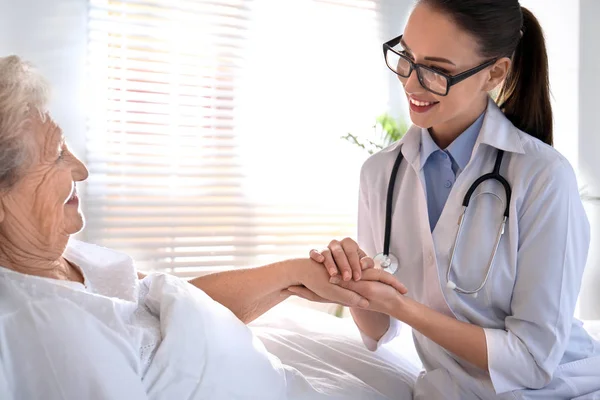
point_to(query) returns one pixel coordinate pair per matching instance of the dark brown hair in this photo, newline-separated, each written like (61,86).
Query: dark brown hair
(504,28)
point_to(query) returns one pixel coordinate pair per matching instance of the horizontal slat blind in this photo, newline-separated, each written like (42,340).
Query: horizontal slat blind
(182,131)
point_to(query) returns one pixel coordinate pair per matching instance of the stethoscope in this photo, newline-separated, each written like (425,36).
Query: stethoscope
(389,262)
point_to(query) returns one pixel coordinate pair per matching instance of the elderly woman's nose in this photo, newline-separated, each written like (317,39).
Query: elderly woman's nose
(80,171)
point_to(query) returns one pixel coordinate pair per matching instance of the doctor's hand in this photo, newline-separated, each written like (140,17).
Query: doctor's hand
(345,258)
(384,293)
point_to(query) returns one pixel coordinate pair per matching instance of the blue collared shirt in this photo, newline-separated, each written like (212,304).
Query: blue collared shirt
(442,167)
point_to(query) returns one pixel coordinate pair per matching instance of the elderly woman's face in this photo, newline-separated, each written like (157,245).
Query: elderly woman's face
(44,202)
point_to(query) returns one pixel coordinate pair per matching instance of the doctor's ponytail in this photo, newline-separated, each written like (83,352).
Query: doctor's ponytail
(525,94)
(504,28)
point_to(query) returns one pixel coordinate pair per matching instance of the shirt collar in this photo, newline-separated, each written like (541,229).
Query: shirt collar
(428,146)
(460,149)
(496,131)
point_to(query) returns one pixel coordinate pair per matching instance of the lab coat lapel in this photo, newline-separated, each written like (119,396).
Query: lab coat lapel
(430,291)
(498,132)
(409,145)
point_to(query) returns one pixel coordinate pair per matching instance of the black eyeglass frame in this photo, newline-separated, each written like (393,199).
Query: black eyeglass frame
(450,79)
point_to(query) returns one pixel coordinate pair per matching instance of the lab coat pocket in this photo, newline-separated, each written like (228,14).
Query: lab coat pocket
(576,379)
(477,242)
(580,376)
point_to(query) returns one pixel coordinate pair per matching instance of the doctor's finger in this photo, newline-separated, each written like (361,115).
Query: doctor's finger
(367,262)
(329,263)
(340,259)
(361,253)
(346,297)
(351,250)
(373,275)
(303,292)
(384,277)
(316,256)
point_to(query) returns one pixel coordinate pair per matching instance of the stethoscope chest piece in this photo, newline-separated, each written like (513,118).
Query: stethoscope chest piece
(388,262)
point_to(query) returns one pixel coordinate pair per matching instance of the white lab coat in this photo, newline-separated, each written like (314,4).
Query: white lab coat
(527,305)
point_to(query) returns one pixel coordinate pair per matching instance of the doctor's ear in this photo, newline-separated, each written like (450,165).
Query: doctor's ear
(497,73)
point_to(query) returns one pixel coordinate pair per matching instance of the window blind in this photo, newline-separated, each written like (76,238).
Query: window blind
(214,130)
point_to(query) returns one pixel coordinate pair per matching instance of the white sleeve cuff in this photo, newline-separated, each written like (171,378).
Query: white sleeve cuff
(510,365)
(393,331)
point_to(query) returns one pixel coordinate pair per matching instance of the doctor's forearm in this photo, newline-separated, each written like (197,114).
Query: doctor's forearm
(465,340)
(371,323)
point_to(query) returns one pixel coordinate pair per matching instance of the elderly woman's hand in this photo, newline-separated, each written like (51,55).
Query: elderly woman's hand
(312,283)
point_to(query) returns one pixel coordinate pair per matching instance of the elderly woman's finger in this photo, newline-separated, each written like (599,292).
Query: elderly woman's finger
(341,260)
(351,250)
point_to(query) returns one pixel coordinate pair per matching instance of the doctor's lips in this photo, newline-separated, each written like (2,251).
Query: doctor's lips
(421,106)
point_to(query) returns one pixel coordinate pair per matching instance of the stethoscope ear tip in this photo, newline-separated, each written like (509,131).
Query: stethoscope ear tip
(451,285)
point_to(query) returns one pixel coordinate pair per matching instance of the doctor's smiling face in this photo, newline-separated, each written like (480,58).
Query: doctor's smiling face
(432,38)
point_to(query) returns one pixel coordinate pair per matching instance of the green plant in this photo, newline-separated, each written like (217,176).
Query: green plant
(387,130)
(339,311)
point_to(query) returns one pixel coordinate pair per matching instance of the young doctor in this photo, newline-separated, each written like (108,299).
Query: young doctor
(475,214)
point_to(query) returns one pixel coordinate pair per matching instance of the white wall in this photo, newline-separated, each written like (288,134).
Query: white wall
(52,34)
(395,14)
(589,86)
(589,146)
(572,30)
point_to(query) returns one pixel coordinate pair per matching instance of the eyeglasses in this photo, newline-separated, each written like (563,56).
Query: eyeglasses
(431,79)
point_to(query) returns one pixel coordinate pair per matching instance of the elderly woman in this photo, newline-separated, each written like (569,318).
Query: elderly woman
(79,322)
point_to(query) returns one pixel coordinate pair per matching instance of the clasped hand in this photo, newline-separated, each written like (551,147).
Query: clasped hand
(353,280)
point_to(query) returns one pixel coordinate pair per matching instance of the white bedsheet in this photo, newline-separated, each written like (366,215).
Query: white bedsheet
(328,350)
(321,345)
(207,353)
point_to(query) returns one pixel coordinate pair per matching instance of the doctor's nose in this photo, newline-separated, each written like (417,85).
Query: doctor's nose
(412,84)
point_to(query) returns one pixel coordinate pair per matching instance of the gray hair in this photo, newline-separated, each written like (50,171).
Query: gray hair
(22,90)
